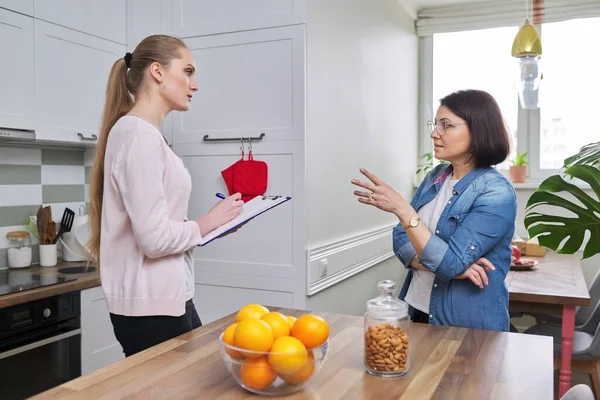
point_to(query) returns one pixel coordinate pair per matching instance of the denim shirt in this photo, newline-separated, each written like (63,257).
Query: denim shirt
(478,221)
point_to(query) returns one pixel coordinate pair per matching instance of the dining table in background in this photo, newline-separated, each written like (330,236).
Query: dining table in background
(554,286)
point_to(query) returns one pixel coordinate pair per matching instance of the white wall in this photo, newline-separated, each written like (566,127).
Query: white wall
(362,110)
(350,296)
(362,94)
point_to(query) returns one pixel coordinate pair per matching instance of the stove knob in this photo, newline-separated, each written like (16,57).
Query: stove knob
(47,312)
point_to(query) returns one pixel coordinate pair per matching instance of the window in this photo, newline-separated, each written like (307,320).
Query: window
(569,92)
(477,60)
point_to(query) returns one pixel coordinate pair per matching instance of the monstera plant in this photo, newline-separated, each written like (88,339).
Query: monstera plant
(566,234)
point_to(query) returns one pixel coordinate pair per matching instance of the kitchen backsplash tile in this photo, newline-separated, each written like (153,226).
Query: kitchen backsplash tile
(88,171)
(20,174)
(18,214)
(58,157)
(63,193)
(32,177)
(20,156)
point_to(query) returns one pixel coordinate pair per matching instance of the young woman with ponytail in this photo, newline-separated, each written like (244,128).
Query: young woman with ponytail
(139,194)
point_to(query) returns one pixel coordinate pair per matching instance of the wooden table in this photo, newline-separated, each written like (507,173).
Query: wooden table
(447,363)
(554,286)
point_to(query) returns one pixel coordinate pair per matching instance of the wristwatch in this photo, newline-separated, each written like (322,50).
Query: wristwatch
(412,223)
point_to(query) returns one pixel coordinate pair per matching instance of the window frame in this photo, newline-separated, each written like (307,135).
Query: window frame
(528,121)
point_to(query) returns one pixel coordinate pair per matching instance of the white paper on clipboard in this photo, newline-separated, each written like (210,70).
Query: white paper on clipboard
(250,210)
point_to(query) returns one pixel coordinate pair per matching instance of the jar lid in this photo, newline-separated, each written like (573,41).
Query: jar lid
(386,304)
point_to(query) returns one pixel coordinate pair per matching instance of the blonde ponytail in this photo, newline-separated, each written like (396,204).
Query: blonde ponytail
(122,84)
(118,103)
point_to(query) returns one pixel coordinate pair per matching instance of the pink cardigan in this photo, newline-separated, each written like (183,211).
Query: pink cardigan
(145,231)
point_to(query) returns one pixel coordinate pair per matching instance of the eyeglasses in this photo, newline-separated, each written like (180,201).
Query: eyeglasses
(442,126)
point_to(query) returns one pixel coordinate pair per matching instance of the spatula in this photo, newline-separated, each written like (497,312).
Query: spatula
(66,223)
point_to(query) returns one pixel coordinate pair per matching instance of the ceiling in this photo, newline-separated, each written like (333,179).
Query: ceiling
(412,6)
(418,4)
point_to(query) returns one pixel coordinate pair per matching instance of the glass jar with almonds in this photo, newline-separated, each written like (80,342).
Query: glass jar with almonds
(386,336)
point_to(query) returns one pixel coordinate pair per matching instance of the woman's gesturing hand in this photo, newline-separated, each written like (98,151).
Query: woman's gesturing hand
(477,272)
(380,195)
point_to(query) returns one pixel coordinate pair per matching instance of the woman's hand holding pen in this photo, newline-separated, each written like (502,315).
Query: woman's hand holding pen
(222,212)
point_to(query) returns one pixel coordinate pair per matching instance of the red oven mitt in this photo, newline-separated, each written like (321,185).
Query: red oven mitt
(248,177)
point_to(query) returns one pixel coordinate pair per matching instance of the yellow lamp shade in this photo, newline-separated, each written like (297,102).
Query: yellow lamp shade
(527,43)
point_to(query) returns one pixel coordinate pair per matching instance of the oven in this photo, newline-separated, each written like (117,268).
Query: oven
(40,345)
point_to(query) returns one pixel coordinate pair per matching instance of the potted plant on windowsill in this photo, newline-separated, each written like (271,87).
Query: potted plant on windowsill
(427,165)
(518,169)
(562,232)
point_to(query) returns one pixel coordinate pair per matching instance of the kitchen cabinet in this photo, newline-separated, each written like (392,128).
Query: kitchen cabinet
(71,72)
(99,347)
(106,19)
(265,259)
(16,71)
(20,6)
(205,17)
(145,18)
(250,83)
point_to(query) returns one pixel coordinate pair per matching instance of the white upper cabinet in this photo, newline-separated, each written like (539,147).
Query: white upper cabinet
(106,18)
(71,72)
(16,71)
(250,83)
(145,18)
(203,17)
(20,6)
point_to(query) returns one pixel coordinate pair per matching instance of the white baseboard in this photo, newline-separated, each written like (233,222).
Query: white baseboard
(346,258)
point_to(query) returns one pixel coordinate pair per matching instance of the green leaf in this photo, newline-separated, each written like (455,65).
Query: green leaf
(588,155)
(551,229)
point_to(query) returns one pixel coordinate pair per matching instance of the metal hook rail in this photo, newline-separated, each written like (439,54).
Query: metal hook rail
(235,139)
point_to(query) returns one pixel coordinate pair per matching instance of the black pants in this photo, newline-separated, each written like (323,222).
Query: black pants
(420,316)
(139,333)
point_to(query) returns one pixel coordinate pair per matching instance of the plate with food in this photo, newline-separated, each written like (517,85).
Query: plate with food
(523,264)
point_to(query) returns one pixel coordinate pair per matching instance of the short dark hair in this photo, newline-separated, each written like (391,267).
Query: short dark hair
(490,140)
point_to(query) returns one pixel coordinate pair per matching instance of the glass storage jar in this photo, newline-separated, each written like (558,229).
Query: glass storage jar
(387,329)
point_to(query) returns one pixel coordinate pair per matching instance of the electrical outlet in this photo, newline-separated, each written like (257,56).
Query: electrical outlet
(323,271)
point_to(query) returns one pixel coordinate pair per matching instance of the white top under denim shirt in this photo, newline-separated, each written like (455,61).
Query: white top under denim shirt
(419,290)
(477,221)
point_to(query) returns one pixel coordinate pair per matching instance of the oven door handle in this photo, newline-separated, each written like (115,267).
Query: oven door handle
(40,343)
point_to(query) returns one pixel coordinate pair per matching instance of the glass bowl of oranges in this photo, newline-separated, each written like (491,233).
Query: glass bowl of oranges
(269,353)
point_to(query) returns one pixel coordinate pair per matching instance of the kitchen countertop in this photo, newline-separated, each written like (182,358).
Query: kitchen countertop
(446,363)
(83,281)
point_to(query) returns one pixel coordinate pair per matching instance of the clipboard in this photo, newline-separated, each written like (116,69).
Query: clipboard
(250,210)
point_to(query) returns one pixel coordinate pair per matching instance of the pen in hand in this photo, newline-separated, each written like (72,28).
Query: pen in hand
(220,195)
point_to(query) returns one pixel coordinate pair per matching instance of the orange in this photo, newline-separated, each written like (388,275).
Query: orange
(303,373)
(257,374)
(228,339)
(254,335)
(291,320)
(279,324)
(251,311)
(287,355)
(311,330)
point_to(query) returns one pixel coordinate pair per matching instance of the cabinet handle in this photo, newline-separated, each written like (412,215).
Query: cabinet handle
(93,137)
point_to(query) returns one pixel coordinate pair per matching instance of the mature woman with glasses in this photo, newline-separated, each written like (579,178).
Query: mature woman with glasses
(454,236)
